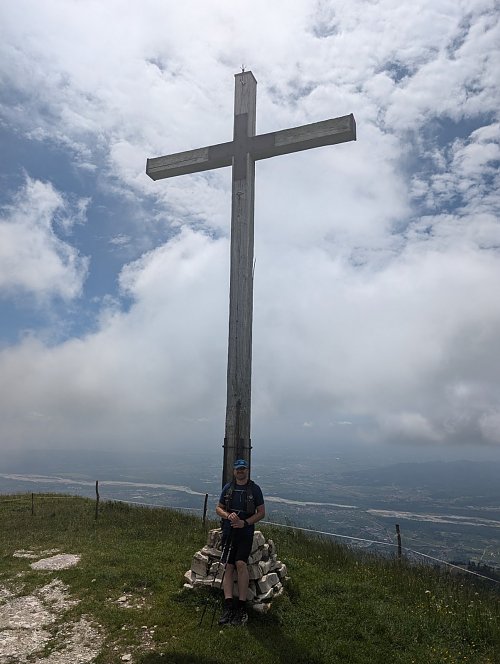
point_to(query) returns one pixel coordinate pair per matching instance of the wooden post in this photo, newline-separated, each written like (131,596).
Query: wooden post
(241,153)
(398,533)
(239,359)
(205,510)
(96,499)
(32,504)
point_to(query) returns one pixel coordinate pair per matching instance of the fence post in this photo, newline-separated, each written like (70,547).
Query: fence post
(398,533)
(32,504)
(205,510)
(96,499)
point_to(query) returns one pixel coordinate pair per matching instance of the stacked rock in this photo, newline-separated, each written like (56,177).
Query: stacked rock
(265,571)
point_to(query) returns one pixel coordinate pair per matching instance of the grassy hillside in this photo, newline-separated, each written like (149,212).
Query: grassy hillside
(339,606)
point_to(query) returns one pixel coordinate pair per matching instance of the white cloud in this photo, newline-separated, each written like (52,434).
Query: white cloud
(490,426)
(151,374)
(410,425)
(33,258)
(376,261)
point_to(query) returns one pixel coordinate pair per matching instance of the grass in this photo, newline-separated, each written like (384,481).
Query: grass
(339,605)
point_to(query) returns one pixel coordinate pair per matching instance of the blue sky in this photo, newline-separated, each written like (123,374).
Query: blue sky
(376,316)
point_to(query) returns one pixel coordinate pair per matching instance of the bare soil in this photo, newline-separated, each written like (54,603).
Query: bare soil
(32,626)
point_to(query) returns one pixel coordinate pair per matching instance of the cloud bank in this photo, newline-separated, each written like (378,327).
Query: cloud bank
(376,262)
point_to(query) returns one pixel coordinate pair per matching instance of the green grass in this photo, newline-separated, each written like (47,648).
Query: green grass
(339,606)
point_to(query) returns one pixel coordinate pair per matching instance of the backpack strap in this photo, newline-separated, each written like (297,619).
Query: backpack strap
(228,496)
(250,498)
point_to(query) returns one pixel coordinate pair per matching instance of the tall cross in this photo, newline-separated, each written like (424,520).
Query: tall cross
(241,153)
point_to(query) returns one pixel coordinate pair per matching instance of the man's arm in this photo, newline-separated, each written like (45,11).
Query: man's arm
(220,510)
(259,514)
(235,520)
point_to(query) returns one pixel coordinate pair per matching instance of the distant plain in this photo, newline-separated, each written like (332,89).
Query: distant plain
(445,509)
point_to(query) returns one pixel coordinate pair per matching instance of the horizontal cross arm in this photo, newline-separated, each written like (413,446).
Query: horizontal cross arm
(190,161)
(315,135)
(263,146)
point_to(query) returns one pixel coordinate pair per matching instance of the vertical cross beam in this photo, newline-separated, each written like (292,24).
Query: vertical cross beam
(237,442)
(241,153)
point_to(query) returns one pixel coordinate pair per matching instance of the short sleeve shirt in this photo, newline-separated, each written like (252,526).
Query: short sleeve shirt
(239,499)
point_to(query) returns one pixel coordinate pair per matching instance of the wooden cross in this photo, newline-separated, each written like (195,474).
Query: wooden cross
(241,153)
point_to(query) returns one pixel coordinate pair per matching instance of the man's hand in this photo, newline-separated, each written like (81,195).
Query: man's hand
(235,521)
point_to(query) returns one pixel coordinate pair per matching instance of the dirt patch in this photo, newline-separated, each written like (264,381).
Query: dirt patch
(24,613)
(131,601)
(33,555)
(61,561)
(82,642)
(56,596)
(30,623)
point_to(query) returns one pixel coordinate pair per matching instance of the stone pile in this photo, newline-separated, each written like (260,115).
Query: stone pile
(265,571)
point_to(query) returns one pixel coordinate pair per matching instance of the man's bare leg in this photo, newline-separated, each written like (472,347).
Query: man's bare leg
(243,579)
(227,584)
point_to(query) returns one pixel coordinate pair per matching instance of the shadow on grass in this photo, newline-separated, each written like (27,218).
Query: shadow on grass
(176,658)
(283,648)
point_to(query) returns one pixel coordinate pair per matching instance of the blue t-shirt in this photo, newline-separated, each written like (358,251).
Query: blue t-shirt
(238,502)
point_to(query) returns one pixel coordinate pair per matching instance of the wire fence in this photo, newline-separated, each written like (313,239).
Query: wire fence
(370,542)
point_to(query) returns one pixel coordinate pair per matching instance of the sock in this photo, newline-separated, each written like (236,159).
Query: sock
(228,603)
(242,604)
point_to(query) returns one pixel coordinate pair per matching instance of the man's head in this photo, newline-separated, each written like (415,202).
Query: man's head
(240,471)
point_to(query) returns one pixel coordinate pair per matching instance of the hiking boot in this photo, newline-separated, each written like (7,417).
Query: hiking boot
(240,617)
(227,616)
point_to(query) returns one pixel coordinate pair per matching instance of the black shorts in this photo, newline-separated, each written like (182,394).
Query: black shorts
(239,545)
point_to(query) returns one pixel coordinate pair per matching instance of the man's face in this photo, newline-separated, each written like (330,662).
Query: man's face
(241,473)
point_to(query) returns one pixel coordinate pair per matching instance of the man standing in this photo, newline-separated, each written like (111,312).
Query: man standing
(241,505)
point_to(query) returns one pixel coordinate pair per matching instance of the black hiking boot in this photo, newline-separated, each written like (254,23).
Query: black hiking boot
(240,616)
(227,615)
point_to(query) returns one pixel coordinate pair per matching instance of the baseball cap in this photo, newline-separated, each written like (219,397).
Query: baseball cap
(240,463)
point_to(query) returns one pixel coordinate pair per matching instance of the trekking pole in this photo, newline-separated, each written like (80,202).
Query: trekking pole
(222,578)
(230,537)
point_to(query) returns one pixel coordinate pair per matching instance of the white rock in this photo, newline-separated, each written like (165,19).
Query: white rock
(210,583)
(261,608)
(189,576)
(255,557)
(279,592)
(254,571)
(266,572)
(258,541)
(199,564)
(62,561)
(265,567)
(214,538)
(264,597)
(25,554)
(267,582)
(217,570)
(282,571)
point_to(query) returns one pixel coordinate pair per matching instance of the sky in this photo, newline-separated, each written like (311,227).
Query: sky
(377,262)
